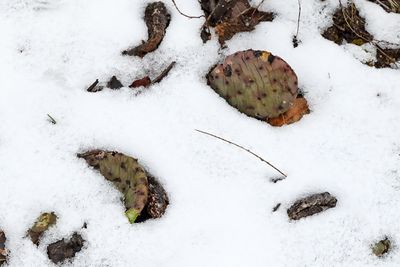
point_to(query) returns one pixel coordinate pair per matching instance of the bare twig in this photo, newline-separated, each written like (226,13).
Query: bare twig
(183,14)
(92,87)
(51,119)
(243,148)
(164,73)
(298,19)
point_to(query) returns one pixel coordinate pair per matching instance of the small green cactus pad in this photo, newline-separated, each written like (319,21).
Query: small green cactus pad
(381,248)
(126,174)
(257,83)
(44,222)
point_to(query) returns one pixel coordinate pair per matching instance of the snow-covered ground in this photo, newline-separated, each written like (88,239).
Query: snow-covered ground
(221,198)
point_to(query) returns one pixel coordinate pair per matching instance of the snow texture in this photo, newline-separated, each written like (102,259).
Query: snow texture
(221,198)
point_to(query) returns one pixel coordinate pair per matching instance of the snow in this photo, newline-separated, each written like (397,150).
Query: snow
(221,198)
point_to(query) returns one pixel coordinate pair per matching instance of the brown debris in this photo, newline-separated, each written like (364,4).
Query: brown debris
(114,83)
(157,201)
(348,25)
(3,250)
(388,5)
(294,114)
(230,17)
(386,57)
(157,19)
(311,205)
(145,81)
(93,87)
(42,224)
(62,249)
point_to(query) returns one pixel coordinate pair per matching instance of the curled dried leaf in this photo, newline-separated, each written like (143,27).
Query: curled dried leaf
(157,19)
(298,109)
(42,224)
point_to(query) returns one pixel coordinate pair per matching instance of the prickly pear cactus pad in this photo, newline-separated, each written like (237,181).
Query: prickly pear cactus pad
(257,83)
(44,222)
(126,174)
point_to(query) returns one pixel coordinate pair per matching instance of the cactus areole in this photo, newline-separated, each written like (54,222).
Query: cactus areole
(257,83)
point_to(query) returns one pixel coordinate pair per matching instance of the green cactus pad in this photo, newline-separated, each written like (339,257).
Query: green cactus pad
(44,222)
(126,174)
(257,83)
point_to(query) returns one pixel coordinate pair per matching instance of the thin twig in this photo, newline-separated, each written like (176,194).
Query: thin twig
(183,14)
(51,119)
(164,73)
(243,148)
(298,19)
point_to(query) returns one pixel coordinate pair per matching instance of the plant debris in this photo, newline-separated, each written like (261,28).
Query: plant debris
(157,19)
(157,201)
(65,249)
(382,247)
(146,81)
(311,205)
(387,58)
(294,114)
(93,87)
(388,5)
(277,206)
(51,119)
(42,224)
(3,250)
(114,83)
(141,193)
(229,17)
(348,25)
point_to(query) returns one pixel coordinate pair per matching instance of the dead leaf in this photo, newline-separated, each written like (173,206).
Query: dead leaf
(295,113)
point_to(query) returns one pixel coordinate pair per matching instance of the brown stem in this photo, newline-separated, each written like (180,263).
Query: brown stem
(243,148)
(183,14)
(164,73)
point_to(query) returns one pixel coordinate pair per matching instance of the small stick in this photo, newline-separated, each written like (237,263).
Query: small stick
(243,148)
(164,73)
(91,88)
(183,14)
(51,119)
(298,19)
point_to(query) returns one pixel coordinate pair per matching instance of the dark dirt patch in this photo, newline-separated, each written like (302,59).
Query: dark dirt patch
(157,19)
(348,25)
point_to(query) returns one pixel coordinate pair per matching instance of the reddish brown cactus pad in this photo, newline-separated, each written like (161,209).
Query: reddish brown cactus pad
(257,83)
